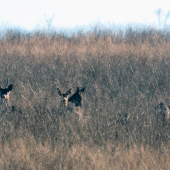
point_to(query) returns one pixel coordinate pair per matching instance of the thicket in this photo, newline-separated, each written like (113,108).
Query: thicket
(126,74)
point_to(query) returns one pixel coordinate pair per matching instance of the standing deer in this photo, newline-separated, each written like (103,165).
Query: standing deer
(163,111)
(5,93)
(65,96)
(62,110)
(77,97)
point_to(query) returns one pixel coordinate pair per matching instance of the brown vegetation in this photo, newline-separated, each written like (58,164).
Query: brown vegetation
(126,75)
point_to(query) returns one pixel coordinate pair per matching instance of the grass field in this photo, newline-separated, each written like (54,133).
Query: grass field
(126,74)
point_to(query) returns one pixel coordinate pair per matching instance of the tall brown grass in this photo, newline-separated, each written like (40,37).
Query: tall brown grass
(126,75)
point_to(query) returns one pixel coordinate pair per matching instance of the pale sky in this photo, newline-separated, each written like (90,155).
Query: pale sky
(29,14)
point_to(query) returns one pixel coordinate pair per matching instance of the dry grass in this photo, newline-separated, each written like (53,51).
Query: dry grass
(126,76)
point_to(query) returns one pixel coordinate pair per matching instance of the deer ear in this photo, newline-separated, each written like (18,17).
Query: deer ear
(77,91)
(59,91)
(82,90)
(10,87)
(68,92)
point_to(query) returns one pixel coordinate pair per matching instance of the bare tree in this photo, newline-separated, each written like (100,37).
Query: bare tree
(159,12)
(162,17)
(166,17)
(49,20)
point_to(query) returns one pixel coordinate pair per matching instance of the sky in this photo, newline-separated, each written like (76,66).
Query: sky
(30,14)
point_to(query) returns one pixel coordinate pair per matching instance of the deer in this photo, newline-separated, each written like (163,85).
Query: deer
(77,97)
(64,95)
(5,93)
(163,111)
(63,104)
